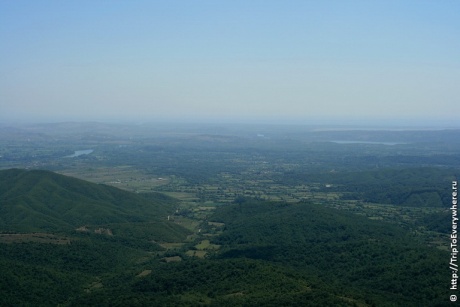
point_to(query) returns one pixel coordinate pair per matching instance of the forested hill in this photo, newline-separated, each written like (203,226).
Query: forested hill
(411,187)
(246,253)
(40,200)
(350,252)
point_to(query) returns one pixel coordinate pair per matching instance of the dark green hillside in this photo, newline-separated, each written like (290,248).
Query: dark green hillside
(413,187)
(45,201)
(37,274)
(350,252)
(267,254)
(57,263)
(216,282)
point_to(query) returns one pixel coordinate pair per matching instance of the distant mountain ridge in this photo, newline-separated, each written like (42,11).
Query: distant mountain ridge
(38,200)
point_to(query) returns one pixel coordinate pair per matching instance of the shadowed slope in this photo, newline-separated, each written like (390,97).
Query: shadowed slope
(42,200)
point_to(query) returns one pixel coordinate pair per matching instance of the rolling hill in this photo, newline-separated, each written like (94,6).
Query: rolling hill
(59,235)
(267,253)
(39,200)
(383,260)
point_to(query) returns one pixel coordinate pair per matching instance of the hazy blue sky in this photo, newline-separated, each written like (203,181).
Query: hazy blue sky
(229,60)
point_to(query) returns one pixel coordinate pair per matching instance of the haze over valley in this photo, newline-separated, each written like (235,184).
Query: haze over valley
(225,214)
(229,153)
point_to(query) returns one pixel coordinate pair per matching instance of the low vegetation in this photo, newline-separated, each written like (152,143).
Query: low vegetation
(228,218)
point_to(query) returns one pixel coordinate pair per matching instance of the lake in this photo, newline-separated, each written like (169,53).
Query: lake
(81,152)
(366,142)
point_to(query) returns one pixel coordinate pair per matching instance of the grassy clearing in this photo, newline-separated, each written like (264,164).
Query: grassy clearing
(183,196)
(206,245)
(144,273)
(190,224)
(168,246)
(172,259)
(203,208)
(196,253)
(203,245)
(94,286)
